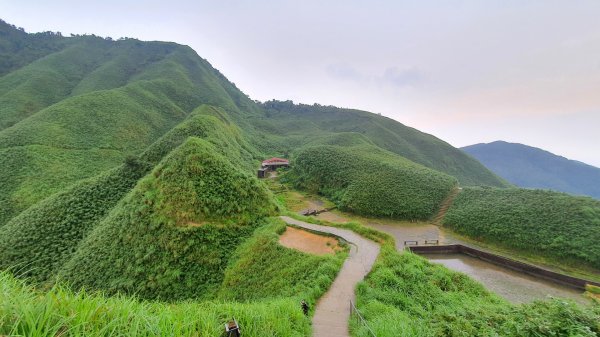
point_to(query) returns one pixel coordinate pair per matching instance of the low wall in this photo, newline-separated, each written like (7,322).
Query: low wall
(505,262)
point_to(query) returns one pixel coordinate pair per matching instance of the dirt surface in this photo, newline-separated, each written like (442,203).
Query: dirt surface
(333,309)
(332,216)
(308,242)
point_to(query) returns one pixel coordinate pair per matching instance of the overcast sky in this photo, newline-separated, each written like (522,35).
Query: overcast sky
(464,71)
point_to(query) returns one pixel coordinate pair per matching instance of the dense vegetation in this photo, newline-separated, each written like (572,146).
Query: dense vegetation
(546,223)
(61,312)
(41,239)
(370,181)
(304,122)
(17,48)
(172,236)
(405,295)
(80,111)
(531,167)
(128,168)
(290,273)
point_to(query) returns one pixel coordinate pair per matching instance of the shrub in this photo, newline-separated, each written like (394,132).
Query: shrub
(370,181)
(543,222)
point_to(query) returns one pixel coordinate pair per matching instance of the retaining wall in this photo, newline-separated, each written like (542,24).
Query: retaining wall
(532,270)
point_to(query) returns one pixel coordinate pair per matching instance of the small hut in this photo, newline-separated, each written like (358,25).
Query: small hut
(274,163)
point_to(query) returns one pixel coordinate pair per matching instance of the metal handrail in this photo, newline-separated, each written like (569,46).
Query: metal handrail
(353,308)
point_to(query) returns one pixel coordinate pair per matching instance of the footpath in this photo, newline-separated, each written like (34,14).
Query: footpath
(332,312)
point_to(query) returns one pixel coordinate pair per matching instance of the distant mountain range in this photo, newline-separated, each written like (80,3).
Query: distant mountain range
(531,167)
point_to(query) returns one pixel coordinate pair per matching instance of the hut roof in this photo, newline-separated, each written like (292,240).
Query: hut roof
(275,160)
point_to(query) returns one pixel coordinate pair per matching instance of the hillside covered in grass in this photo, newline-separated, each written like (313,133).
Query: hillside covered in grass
(303,123)
(173,234)
(128,180)
(41,239)
(367,180)
(74,107)
(405,295)
(545,223)
(82,110)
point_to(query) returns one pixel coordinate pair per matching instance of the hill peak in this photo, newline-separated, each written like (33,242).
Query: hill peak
(531,167)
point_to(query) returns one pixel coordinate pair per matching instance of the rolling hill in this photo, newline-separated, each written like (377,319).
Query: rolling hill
(530,167)
(129,203)
(74,107)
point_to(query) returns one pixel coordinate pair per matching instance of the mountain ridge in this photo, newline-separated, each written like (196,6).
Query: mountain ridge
(532,167)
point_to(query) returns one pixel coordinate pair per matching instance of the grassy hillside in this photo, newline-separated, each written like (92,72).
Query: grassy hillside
(367,180)
(545,223)
(41,239)
(173,235)
(531,167)
(303,122)
(71,108)
(81,110)
(405,295)
(262,269)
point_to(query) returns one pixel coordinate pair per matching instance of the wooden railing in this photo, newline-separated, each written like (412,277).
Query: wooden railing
(354,312)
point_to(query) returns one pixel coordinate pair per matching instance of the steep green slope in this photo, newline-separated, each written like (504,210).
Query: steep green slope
(542,222)
(173,235)
(41,239)
(263,269)
(306,121)
(82,109)
(530,167)
(368,180)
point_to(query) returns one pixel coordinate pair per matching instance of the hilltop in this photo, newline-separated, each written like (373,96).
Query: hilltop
(531,167)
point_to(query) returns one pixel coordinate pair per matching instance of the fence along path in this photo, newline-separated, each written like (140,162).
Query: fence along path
(332,313)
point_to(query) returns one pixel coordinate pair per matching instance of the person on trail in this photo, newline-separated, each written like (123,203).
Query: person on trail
(304,306)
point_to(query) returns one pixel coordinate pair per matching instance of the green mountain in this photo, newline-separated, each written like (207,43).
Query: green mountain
(299,123)
(530,167)
(72,108)
(128,169)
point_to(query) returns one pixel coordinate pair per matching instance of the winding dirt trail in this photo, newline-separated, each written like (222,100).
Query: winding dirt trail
(333,309)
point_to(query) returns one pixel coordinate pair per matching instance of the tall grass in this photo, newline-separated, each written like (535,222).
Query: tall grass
(545,223)
(405,295)
(61,312)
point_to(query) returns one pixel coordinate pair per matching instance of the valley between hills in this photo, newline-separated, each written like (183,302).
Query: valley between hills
(130,206)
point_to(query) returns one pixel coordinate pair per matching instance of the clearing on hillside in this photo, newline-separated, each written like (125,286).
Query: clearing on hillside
(308,242)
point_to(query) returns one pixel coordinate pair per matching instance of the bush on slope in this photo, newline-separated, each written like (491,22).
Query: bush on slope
(547,223)
(261,269)
(173,235)
(370,181)
(42,238)
(17,48)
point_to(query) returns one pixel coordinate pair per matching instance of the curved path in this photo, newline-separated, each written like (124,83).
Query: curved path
(333,309)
